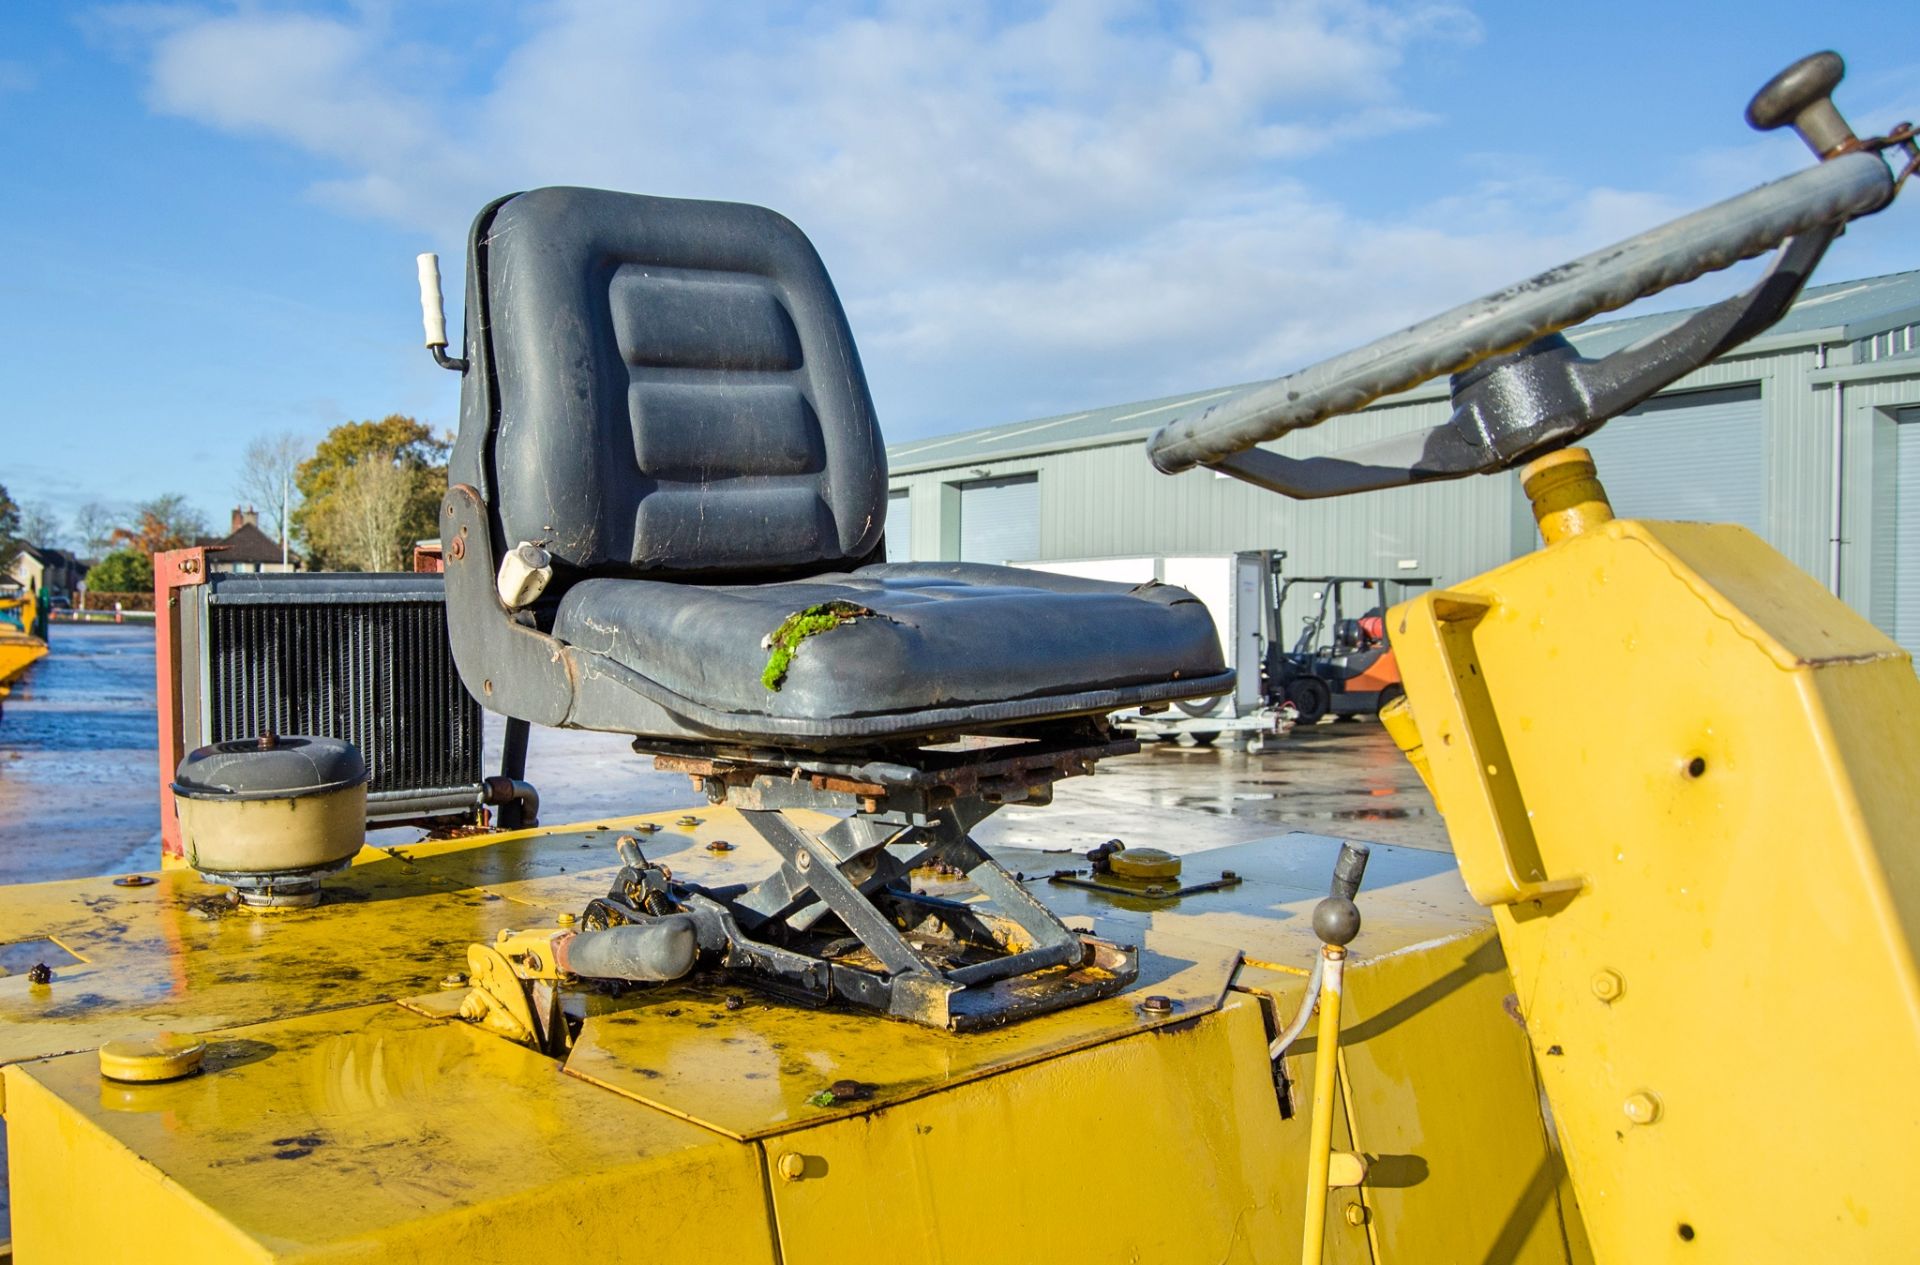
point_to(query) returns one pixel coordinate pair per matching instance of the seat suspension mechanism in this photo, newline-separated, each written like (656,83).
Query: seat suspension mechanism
(842,921)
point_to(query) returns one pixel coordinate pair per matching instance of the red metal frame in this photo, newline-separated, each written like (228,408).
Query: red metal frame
(173,570)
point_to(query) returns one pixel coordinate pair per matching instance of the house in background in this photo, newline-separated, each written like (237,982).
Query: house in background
(247,548)
(44,568)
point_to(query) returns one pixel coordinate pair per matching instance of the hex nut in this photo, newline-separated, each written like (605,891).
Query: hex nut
(1356,1214)
(1608,986)
(1642,1108)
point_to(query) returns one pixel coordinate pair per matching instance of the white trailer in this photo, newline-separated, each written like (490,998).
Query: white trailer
(1237,590)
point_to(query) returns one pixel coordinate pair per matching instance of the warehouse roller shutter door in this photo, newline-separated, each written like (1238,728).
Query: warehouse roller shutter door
(1697,456)
(899,527)
(1906,530)
(1000,519)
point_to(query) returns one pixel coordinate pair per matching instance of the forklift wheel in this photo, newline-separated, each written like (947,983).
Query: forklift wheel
(1311,697)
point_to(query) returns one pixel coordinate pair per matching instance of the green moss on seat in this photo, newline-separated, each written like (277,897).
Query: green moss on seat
(784,641)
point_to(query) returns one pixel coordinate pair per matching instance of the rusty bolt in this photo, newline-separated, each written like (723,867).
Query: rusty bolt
(457,549)
(1228,876)
(719,845)
(647,827)
(1157,1005)
(40,973)
(1608,986)
(793,1166)
(850,1091)
(735,1001)
(455,980)
(1642,1108)
(688,820)
(1356,1214)
(133,880)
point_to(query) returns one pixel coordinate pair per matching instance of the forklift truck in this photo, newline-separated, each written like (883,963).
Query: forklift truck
(1341,664)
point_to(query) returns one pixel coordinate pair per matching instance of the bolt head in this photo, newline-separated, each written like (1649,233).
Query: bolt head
(1157,1005)
(1356,1214)
(1642,1108)
(566,920)
(793,1166)
(455,980)
(1608,986)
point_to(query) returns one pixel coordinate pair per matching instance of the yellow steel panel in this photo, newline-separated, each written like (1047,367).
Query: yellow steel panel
(757,1068)
(1723,758)
(371,1134)
(1166,1147)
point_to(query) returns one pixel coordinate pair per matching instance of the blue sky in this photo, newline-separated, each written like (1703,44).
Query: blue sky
(211,211)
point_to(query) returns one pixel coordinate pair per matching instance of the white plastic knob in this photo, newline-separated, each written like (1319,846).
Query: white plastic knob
(433,308)
(524,575)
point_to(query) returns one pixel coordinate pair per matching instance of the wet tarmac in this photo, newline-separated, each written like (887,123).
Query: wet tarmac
(79,782)
(79,785)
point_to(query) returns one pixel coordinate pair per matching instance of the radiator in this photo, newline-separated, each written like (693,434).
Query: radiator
(363,657)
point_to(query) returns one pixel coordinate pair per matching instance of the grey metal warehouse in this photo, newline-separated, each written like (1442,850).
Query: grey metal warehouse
(1809,435)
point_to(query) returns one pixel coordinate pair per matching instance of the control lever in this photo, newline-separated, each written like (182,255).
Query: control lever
(1336,921)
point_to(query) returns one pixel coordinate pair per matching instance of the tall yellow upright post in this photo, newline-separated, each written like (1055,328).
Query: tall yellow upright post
(1320,1139)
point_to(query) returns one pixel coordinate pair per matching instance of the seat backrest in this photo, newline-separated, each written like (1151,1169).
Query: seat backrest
(661,386)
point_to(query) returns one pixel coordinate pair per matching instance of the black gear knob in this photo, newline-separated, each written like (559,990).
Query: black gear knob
(1802,96)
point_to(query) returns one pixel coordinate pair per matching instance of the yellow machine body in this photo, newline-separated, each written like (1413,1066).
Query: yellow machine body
(1682,775)
(1677,771)
(343,1111)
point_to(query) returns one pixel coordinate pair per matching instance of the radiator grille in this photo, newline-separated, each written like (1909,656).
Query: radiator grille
(371,667)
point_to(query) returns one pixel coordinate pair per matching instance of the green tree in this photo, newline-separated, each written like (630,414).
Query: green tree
(122,571)
(369,489)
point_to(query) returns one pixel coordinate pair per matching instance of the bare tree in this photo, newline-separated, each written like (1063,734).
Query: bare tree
(365,523)
(40,526)
(93,523)
(267,471)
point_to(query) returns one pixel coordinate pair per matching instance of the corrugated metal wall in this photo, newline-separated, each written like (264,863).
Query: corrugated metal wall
(1108,500)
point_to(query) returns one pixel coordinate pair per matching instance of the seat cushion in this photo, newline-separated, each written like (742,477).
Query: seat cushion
(941,636)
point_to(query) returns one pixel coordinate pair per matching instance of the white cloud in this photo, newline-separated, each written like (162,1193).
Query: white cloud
(1092,203)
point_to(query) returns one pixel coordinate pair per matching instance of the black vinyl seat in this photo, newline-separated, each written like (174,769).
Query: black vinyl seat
(664,395)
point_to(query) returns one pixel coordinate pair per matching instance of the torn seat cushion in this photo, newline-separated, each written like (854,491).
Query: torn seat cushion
(942,635)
